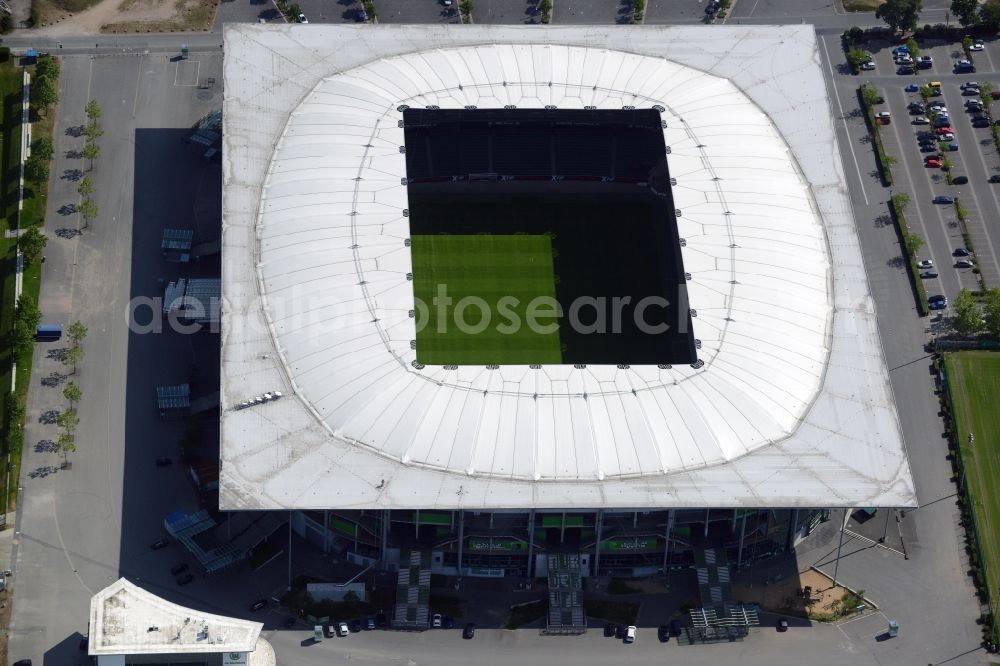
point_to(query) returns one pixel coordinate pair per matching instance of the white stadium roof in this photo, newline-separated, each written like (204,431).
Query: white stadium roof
(792,406)
(125,619)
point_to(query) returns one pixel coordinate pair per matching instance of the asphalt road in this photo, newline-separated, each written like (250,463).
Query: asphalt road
(505,11)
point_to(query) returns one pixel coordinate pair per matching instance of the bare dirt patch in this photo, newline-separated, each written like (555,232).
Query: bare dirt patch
(71,17)
(825,602)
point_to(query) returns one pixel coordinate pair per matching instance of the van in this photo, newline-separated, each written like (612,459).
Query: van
(48,332)
(935,84)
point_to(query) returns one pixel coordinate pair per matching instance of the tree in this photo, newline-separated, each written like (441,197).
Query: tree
(868,94)
(77,332)
(86,187)
(965,11)
(26,318)
(47,67)
(36,169)
(66,445)
(93,111)
(42,147)
(911,44)
(93,132)
(71,357)
(68,421)
(900,201)
(968,318)
(72,393)
(88,210)
(857,57)
(31,243)
(913,243)
(91,151)
(992,312)
(43,93)
(989,13)
(900,15)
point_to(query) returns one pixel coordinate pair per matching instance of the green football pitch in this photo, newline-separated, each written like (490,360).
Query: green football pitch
(484,330)
(974,380)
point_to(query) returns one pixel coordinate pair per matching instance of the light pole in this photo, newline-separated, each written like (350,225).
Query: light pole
(836,564)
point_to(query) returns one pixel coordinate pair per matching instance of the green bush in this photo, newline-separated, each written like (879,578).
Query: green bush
(911,245)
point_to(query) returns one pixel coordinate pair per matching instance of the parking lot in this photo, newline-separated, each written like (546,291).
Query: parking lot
(505,11)
(675,11)
(976,159)
(417,11)
(592,12)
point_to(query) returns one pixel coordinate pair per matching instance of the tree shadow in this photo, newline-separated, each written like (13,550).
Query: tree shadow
(896,262)
(72,175)
(43,471)
(67,209)
(68,233)
(53,380)
(49,417)
(884,220)
(46,446)
(269,14)
(76,130)
(55,354)
(74,154)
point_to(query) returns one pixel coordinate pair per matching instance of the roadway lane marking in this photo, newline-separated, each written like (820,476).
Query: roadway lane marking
(843,119)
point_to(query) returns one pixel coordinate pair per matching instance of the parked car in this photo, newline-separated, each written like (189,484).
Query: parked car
(663,633)
(995,178)
(160,543)
(938,302)
(436,620)
(369,623)
(920,120)
(952,147)
(959,180)
(303,19)
(913,87)
(905,69)
(783,624)
(943,122)
(970,84)
(903,48)
(927,147)
(932,162)
(619,631)
(960,252)
(448,622)
(361,15)
(965,263)
(867,66)
(929,274)
(178,569)
(883,117)
(947,136)
(609,630)
(980,121)
(470,631)
(971,92)
(925,59)
(711,7)
(164,462)
(943,130)
(944,199)
(629,634)
(343,629)
(904,59)
(925,263)
(977,45)
(916,108)
(257,605)
(185,579)
(355,626)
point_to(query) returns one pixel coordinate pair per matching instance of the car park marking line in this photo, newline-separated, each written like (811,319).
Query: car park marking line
(843,119)
(871,541)
(197,73)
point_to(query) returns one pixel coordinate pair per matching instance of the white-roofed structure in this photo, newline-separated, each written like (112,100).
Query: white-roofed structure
(789,404)
(128,621)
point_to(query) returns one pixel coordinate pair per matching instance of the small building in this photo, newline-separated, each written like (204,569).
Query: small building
(176,245)
(130,625)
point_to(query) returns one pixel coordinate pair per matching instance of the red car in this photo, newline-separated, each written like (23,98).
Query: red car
(945,130)
(933,162)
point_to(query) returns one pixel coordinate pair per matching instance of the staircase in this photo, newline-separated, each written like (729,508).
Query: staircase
(566,614)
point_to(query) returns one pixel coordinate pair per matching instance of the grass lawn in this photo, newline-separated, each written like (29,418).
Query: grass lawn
(506,272)
(974,377)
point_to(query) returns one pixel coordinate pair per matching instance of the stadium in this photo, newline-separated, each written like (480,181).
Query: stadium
(692,167)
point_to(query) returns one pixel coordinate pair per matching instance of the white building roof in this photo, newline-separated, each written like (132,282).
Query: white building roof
(122,613)
(792,406)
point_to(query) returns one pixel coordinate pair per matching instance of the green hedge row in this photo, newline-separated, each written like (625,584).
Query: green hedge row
(885,166)
(906,239)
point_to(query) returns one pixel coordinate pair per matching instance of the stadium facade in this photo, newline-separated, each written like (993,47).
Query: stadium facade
(635,461)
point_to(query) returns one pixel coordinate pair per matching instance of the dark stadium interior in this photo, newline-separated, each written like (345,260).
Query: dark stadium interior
(597,182)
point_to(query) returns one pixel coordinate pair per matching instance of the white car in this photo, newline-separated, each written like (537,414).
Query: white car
(977,45)
(925,263)
(868,66)
(904,59)
(303,19)
(436,620)
(970,84)
(947,136)
(343,629)
(921,120)
(630,634)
